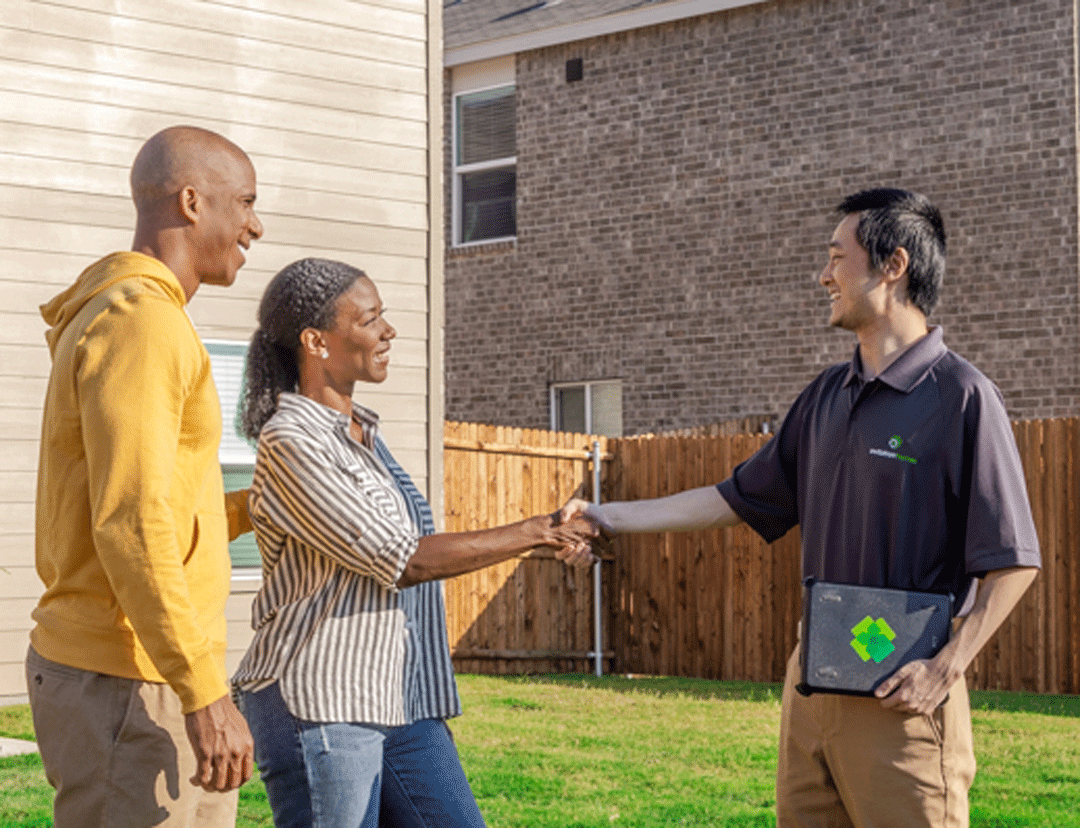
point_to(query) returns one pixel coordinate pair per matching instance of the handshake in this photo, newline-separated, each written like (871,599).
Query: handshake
(577,533)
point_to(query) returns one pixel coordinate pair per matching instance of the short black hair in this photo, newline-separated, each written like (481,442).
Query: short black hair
(891,218)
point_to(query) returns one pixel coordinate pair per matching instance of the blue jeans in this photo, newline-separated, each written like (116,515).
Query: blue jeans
(348,775)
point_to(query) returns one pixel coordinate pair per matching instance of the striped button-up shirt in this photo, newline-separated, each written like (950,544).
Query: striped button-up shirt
(336,521)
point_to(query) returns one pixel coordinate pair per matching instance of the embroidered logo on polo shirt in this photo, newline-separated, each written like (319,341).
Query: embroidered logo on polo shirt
(895,442)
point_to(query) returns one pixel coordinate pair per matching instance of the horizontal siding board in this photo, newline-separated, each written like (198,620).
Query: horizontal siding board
(403,267)
(64,144)
(24,298)
(73,190)
(343,92)
(348,238)
(56,87)
(59,36)
(403,18)
(13,679)
(16,516)
(101,186)
(30,359)
(137,120)
(20,457)
(52,267)
(30,235)
(17,486)
(401,408)
(22,339)
(43,145)
(14,612)
(405,271)
(20,423)
(22,392)
(360,35)
(302,237)
(17,546)
(359,207)
(13,643)
(20,581)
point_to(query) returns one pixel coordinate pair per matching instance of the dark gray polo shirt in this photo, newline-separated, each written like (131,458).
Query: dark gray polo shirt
(911,480)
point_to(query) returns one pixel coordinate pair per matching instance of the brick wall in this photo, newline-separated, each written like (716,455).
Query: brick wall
(674,206)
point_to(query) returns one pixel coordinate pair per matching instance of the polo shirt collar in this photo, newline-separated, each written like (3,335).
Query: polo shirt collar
(908,369)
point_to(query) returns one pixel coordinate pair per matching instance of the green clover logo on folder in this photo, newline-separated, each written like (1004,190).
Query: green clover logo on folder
(873,639)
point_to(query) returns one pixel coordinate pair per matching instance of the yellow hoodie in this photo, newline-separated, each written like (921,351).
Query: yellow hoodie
(132,524)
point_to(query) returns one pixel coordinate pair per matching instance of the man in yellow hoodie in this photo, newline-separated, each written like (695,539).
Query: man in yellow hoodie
(127,658)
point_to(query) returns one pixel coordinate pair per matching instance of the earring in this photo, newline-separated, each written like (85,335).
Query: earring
(325,354)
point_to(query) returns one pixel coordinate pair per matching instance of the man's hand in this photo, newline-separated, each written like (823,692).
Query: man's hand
(223,746)
(576,507)
(918,687)
(572,539)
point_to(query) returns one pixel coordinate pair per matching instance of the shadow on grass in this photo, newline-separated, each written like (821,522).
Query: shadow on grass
(657,686)
(1009,702)
(1001,700)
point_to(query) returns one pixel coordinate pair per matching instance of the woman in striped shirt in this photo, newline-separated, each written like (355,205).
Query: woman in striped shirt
(348,681)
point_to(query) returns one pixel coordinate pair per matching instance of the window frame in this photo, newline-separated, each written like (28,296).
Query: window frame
(587,386)
(457,171)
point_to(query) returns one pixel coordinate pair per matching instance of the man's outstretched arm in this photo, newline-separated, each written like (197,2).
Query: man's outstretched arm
(702,508)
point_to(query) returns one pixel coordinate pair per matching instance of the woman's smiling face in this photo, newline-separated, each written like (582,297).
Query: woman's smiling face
(358,343)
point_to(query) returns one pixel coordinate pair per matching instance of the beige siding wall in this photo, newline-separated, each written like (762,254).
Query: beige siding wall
(331,98)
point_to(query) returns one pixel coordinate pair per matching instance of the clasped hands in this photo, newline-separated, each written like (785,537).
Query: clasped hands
(579,534)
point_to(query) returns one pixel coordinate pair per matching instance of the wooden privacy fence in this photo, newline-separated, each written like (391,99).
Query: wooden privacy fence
(532,614)
(716,604)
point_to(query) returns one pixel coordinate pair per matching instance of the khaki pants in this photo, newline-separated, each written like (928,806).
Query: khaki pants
(846,761)
(117,753)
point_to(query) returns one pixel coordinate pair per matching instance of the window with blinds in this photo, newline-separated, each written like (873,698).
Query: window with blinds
(485,166)
(236,456)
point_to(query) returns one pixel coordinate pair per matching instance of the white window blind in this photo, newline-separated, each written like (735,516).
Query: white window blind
(237,458)
(227,362)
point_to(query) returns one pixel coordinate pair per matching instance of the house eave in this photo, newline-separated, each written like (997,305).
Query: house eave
(584,29)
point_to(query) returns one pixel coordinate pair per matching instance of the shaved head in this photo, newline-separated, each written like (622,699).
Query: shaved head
(179,157)
(194,194)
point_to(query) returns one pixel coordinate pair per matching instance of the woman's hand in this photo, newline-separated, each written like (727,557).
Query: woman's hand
(572,539)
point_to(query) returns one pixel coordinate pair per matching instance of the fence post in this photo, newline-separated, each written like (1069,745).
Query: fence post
(598,630)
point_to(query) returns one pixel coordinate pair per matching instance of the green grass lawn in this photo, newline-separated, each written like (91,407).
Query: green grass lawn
(575,751)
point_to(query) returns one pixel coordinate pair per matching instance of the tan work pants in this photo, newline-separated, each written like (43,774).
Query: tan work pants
(846,762)
(117,753)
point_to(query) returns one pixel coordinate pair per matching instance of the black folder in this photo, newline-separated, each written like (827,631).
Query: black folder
(854,637)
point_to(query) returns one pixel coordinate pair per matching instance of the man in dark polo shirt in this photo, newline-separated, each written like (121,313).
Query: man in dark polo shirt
(901,471)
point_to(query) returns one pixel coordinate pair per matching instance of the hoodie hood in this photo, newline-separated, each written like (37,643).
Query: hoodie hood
(99,277)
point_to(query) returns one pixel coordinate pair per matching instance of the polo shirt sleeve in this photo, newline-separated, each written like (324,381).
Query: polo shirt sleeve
(1000,528)
(310,496)
(763,489)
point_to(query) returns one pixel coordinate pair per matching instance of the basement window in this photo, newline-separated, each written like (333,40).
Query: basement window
(588,407)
